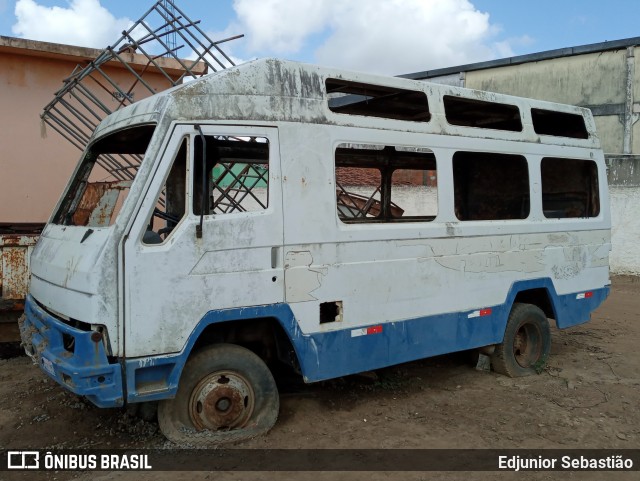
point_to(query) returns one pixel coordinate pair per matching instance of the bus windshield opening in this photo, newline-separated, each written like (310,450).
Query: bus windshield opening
(102,182)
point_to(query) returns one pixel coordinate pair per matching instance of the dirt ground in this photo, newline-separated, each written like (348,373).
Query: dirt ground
(587,397)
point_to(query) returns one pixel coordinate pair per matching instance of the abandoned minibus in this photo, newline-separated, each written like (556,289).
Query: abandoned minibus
(334,221)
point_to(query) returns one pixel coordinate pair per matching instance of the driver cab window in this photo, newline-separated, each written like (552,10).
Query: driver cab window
(236,174)
(170,206)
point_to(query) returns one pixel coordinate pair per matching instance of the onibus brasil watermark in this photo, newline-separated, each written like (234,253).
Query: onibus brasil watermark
(76,461)
(406,460)
(523,463)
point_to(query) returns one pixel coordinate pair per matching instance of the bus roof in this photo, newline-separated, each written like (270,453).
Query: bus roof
(273,90)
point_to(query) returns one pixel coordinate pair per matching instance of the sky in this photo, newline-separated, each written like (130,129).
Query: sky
(379,36)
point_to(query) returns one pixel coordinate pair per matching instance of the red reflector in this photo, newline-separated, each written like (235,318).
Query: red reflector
(485,312)
(588,294)
(374,330)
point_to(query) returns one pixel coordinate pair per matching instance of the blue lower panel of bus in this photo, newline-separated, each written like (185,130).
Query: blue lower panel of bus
(87,371)
(70,357)
(337,353)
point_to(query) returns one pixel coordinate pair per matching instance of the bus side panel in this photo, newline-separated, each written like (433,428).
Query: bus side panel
(327,355)
(349,351)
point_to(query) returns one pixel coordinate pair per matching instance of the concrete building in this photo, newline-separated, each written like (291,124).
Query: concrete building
(36,163)
(604,77)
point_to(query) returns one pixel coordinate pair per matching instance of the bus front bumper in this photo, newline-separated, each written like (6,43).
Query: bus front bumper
(70,357)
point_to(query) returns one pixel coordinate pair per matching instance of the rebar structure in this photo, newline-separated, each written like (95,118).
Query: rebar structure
(171,37)
(151,45)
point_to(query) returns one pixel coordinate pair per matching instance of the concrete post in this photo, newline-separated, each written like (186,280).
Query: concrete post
(629,117)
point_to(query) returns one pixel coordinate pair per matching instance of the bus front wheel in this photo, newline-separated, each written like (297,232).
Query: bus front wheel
(526,344)
(226,394)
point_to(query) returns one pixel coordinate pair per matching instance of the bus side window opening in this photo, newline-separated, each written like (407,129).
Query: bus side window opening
(490,186)
(237,170)
(569,188)
(381,184)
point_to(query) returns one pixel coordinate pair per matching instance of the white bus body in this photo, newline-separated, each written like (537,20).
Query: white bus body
(351,222)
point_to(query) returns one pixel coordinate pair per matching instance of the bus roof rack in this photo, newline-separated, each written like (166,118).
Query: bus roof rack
(150,45)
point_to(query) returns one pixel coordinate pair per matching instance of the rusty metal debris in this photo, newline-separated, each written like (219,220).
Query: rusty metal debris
(16,244)
(352,205)
(15,249)
(97,205)
(165,42)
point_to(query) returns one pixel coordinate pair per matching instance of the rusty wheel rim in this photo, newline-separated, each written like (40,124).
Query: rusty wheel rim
(221,400)
(527,345)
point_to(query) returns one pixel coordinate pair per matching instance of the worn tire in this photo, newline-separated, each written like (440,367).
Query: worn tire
(526,344)
(226,394)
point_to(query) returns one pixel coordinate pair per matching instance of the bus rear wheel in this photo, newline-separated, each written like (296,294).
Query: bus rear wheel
(226,394)
(526,344)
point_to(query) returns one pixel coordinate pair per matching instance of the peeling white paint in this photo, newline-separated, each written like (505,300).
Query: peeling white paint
(302,278)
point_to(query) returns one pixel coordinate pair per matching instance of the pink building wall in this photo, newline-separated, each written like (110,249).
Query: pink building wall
(34,169)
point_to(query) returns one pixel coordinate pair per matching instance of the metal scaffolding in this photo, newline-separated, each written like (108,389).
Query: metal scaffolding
(165,42)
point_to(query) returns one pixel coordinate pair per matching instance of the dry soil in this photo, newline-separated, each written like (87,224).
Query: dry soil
(587,397)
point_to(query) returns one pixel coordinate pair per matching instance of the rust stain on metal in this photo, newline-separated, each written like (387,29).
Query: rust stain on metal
(15,272)
(92,195)
(223,406)
(18,240)
(15,250)
(96,204)
(11,305)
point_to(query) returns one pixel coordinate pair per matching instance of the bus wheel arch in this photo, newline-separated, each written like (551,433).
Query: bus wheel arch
(525,347)
(264,336)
